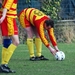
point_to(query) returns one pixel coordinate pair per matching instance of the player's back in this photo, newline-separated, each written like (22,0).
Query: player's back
(33,14)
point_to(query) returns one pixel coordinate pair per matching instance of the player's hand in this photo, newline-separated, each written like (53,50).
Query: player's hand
(52,50)
(56,48)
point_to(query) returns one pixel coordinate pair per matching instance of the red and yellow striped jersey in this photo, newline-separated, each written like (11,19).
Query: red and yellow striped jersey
(35,17)
(11,6)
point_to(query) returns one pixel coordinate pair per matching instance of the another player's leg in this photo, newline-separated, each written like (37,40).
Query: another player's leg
(30,42)
(9,30)
(4,68)
(38,44)
(6,44)
(7,52)
(30,45)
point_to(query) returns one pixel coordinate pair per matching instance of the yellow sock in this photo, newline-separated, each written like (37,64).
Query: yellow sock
(38,44)
(4,50)
(9,53)
(30,47)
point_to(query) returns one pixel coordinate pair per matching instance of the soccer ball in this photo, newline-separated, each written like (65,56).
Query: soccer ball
(60,55)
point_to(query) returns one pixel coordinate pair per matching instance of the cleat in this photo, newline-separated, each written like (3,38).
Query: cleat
(41,58)
(32,59)
(5,69)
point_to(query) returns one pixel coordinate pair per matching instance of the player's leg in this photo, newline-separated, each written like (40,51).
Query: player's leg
(38,44)
(11,46)
(30,42)
(27,26)
(6,43)
(7,55)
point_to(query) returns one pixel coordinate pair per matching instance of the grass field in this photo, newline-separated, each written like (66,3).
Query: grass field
(20,62)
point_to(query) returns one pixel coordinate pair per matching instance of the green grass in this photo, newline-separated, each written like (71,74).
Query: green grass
(20,62)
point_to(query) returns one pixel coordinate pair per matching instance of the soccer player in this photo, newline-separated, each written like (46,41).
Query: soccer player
(9,29)
(36,22)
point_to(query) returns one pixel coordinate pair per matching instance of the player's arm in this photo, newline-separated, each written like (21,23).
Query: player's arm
(52,38)
(44,39)
(5,7)
(3,15)
(41,33)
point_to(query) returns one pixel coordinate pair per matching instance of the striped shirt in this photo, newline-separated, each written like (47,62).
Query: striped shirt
(11,6)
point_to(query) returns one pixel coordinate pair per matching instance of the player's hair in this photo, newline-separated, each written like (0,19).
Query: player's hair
(50,23)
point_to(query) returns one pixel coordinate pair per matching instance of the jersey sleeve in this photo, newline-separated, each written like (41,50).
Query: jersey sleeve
(52,37)
(41,32)
(7,4)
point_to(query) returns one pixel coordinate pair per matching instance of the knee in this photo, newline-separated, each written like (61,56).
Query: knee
(17,43)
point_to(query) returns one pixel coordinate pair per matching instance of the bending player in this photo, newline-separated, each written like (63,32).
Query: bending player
(35,22)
